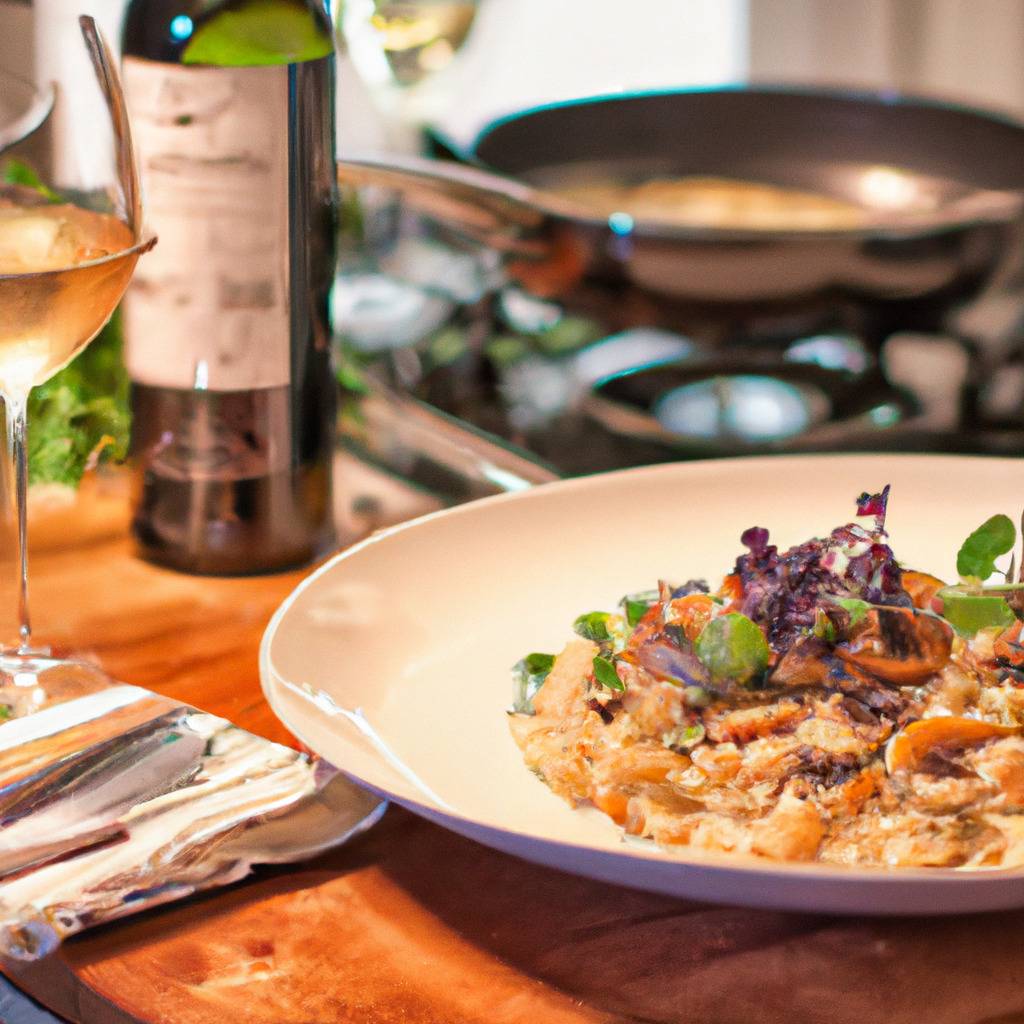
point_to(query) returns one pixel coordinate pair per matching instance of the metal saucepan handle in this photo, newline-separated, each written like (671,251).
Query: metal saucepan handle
(500,212)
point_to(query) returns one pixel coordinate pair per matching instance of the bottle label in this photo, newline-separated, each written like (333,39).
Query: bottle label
(209,307)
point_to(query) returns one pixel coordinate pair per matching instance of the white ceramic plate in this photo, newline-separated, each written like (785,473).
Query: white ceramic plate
(392,661)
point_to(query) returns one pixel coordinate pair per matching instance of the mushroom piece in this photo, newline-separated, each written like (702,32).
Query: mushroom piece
(898,646)
(909,748)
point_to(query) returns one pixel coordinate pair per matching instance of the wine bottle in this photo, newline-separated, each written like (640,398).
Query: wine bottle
(226,330)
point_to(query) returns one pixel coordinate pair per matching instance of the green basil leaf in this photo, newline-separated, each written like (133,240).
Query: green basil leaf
(969,613)
(733,649)
(977,555)
(593,626)
(605,674)
(528,677)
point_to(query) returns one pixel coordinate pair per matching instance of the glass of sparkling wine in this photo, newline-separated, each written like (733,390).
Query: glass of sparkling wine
(68,245)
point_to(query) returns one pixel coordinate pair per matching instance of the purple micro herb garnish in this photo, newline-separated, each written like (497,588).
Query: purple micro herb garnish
(781,592)
(874,505)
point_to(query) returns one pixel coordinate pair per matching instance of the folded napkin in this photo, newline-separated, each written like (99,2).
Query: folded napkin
(114,799)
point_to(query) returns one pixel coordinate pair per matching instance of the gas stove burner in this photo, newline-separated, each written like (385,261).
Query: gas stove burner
(757,403)
(743,408)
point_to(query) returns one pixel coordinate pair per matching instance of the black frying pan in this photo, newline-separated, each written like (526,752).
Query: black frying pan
(960,172)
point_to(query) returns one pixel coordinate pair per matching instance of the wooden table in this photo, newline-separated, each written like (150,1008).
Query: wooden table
(412,924)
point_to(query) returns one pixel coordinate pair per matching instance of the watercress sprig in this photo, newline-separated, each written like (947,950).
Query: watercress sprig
(973,605)
(975,561)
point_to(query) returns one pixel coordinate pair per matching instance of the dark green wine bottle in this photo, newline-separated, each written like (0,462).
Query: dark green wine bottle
(227,339)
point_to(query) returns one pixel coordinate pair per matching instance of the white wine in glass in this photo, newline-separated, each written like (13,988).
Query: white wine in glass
(403,50)
(62,271)
(64,265)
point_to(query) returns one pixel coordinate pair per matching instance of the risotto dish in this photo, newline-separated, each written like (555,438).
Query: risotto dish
(822,703)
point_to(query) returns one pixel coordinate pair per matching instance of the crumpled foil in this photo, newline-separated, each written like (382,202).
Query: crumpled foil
(114,799)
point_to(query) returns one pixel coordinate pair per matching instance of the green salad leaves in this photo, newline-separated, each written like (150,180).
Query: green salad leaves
(80,416)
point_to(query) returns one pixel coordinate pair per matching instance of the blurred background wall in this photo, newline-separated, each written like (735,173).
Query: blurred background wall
(528,51)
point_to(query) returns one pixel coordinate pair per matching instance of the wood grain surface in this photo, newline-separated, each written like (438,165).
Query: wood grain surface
(412,924)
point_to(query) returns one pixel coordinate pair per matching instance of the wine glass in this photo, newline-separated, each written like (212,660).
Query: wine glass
(69,241)
(404,52)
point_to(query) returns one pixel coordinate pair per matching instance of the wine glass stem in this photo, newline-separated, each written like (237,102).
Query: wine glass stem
(17,439)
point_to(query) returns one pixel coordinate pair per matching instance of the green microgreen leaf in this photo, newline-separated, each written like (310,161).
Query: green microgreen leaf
(976,559)
(605,674)
(528,677)
(636,606)
(539,664)
(593,626)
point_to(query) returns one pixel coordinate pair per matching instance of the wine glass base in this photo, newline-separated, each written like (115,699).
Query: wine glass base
(33,679)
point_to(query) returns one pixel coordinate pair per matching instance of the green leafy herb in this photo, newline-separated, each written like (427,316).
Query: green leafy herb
(528,677)
(733,649)
(593,626)
(855,606)
(81,414)
(17,172)
(539,664)
(976,559)
(605,674)
(968,613)
(636,606)
(264,32)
